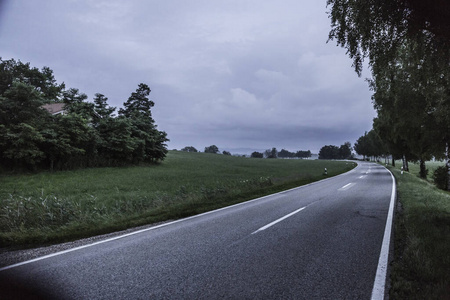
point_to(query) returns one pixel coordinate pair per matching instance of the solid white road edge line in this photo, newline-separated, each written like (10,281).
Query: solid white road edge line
(379,284)
(166,224)
(279,220)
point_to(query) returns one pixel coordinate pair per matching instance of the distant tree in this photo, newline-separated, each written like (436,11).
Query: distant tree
(303,154)
(257,155)
(271,153)
(285,154)
(189,149)
(345,151)
(226,152)
(329,152)
(212,149)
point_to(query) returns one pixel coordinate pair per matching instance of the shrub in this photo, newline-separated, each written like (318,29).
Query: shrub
(440,177)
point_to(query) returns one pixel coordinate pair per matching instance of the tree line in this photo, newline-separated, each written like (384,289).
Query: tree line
(85,134)
(335,152)
(269,153)
(407,45)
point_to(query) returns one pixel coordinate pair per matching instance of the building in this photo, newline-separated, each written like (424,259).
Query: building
(55,108)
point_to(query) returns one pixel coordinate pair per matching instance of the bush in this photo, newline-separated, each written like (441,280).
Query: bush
(440,177)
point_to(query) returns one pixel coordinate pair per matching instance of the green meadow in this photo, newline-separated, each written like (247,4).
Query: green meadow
(421,266)
(47,207)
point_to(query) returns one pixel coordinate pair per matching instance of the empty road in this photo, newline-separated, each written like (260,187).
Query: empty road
(320,241)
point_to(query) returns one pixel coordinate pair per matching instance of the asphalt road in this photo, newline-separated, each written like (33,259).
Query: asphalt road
(320,241)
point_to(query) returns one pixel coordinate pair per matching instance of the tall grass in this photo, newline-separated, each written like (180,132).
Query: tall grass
(51,207)
(421,267)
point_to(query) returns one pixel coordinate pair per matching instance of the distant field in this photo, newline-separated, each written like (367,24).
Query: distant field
(53,207)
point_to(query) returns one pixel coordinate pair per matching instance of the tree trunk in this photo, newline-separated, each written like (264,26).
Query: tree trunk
(448,175)
(423,169)
(405,164)
(393,161)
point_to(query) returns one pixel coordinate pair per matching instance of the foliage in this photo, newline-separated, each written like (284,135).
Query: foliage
(377,28)
(441,177)
(212,149)
(226,152)
(271,153)
(189,149)
(303,154)
(408,46)
(86,135)
(256,154)
(335,152)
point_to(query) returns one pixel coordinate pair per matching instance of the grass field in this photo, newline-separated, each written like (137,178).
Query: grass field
(421,269)
(54,207)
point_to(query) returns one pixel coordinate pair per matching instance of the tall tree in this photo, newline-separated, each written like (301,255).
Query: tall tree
(102,109)
(151,145)
(22,120)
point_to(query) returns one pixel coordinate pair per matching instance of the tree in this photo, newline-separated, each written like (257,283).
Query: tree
(376,29)
(408,46)
(303,154)
(138,104)
(22,120)
(329,152)
(271,153)
(86,135)
(256,154)
(212,149)
(285,154)
(189,149)
(345,151)
(101,107)
(150,142)
(226,153)
(43,80)
(362,146)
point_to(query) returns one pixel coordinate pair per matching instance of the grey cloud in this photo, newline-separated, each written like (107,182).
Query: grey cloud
(233,73)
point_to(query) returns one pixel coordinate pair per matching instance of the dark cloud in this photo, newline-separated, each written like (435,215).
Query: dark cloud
(239,74)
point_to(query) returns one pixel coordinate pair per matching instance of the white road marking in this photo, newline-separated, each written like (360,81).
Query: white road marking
(347,186)
(362,176)
(279,220)
(380,277)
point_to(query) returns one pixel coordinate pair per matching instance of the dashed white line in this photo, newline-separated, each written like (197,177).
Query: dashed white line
(279,220)
(347,186)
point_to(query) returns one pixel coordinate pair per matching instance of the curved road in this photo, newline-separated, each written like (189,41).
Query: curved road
(320,241)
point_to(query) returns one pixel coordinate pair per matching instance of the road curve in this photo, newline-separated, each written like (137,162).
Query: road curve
(320,241)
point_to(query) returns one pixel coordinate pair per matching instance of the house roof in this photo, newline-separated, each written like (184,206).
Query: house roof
(54,108)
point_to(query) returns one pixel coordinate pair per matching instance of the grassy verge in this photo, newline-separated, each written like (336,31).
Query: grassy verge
(55,207)
(421,267)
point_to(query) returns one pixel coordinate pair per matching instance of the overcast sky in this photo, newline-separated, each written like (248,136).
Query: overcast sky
(240,74)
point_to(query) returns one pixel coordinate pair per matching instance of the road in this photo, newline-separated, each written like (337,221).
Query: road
(320,241)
